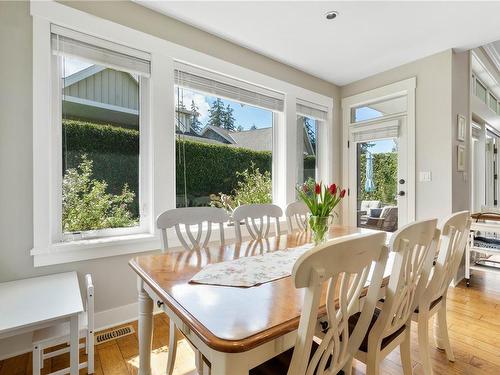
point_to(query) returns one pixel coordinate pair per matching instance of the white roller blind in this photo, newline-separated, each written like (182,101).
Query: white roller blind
(364,133)
(312,110)
(70,43)
(225,87)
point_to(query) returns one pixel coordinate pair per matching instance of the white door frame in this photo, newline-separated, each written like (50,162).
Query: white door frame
(402,88)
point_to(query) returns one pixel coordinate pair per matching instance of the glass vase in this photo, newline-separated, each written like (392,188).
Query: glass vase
(319,228)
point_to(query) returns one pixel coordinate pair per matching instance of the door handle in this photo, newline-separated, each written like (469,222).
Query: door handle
(401,193)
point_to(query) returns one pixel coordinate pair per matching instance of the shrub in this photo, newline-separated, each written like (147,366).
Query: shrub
(87,205)
(385,175)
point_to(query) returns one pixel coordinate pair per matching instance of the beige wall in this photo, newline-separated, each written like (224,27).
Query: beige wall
(433,126)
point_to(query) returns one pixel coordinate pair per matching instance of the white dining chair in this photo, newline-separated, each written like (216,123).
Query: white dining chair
(297,212)
(454,237)
(257,219)
(59,334)
(183,219)
(344,266)
(413,247)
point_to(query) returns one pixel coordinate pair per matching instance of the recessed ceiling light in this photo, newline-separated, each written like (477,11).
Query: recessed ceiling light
(331,15)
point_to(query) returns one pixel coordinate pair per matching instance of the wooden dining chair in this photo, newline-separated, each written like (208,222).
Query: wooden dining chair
(257,219)
(297,212)
(344,265)
(59,334)
(454,237)
(183,219)
(413,247)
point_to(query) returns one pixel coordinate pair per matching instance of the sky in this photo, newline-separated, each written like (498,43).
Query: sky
(244,115)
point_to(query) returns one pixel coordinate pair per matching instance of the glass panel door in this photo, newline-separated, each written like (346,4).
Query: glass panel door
(377,184)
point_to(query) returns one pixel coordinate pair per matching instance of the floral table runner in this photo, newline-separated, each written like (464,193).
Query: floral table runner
(251,271)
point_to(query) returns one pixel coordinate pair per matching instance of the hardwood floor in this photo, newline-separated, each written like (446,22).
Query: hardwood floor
(474,326)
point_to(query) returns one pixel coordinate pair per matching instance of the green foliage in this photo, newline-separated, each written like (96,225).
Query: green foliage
(385,174)
(220,116)
(114,152)
(253,187)
(195,122)
(88,206)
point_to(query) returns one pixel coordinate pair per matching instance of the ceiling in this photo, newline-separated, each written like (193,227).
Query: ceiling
(367,37)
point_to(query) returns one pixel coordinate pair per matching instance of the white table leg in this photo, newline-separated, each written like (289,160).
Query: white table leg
(74,345)
(145,329)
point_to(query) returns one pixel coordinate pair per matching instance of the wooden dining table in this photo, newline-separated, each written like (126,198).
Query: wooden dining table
(234,329)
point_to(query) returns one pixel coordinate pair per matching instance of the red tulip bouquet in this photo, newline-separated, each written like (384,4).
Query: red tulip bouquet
(321,200)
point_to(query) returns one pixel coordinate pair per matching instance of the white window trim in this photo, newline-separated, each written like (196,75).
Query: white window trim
(161,140)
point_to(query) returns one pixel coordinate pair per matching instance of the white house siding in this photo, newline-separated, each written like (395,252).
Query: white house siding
(107,86)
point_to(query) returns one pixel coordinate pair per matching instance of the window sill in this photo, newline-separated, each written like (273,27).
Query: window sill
(74,251)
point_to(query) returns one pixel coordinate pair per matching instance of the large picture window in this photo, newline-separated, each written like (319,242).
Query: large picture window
(99,118)
(224,151)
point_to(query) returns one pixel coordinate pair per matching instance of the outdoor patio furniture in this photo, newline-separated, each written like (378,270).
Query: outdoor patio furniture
(388,220)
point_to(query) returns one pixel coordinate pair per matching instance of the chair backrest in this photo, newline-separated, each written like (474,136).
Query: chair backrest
(257,218)
(390,216)
(454,237)
(89,302)
(345,265)
(188,217)
(414,247)
(297,212)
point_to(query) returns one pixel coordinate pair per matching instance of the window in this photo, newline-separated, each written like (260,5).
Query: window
(493,103)
(310,119)
(224,141)
(379,109)
(98,115)
(481,91)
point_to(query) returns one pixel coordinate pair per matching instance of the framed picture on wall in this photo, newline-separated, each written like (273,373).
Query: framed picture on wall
(461,128)
(461,158)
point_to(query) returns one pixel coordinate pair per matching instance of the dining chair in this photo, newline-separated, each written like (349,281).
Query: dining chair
(257,219)
(187,217)
(454,237)
(59,334)
(344,266)
(413,247)
(297,212)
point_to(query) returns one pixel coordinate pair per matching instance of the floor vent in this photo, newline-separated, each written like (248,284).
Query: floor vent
(113,334)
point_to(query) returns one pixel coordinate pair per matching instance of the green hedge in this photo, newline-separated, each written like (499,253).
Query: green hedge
(385,175)
(211,168)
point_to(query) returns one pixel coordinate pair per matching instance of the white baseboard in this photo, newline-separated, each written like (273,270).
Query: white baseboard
(17,345)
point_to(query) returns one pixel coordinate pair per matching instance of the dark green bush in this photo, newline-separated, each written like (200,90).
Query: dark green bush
(385,175)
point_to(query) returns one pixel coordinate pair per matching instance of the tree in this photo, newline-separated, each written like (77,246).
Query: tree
(253,127)
(195,114)
(239,128)
(216,114)
(228,119)
(310,132)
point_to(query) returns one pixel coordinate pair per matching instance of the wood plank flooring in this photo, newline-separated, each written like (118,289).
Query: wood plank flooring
(474,326)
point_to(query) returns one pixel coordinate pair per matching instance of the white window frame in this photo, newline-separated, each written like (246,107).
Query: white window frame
(160,140)
(402,88)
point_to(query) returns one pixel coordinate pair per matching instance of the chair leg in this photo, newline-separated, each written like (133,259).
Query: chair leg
(441,332)
(90,355)
(406,353)
(172,348)
(423,341)
(348,367)
(373,363)
(36,360)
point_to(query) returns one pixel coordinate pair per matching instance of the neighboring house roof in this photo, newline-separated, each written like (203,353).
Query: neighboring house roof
(226,134)
(257,139)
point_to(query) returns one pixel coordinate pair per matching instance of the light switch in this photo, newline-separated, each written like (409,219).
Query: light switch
(425,176)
